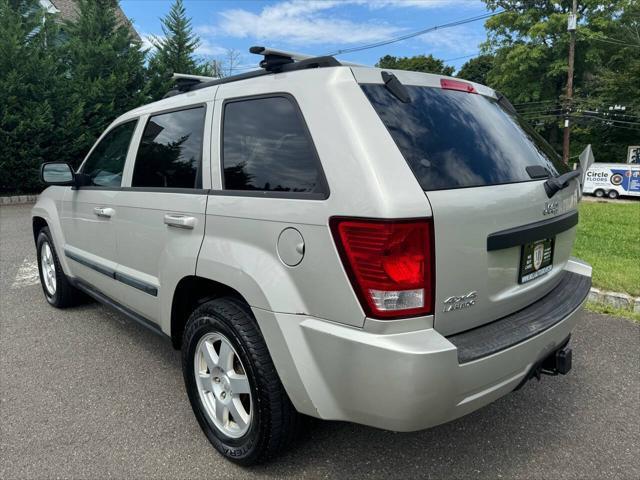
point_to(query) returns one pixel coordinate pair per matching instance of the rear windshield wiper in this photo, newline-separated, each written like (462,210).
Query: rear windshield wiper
(555,184)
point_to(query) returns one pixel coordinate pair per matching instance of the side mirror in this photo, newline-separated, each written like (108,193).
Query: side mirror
(57,173)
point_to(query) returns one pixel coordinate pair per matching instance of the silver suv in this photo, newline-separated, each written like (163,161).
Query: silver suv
(383,247)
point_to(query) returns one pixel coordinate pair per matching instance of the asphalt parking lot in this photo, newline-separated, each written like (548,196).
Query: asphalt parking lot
(85,393)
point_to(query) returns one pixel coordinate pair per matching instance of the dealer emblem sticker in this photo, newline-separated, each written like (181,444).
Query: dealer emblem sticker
(538,255)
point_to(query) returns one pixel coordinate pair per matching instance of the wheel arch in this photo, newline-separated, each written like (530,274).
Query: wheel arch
(38,223)
(190,292)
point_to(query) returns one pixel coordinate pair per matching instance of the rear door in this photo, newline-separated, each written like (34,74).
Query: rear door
(160,221)
(500,242)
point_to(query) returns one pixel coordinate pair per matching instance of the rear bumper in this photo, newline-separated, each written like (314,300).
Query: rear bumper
(412,380)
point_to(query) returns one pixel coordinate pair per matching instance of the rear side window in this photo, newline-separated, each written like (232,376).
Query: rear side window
(105,164)
(454,139)
(170,152)
(266,147)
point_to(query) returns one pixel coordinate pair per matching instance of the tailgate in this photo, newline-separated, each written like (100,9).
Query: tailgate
(479,280)
(482,169)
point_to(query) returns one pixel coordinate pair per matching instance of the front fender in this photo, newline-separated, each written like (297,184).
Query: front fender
(49,207)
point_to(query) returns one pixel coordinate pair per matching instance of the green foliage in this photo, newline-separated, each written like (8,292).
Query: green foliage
(104,72)
(476,69)
(63,83)
(530,43)
(613,311)
(27,76)
(174,52)
(419,63)
(607,238)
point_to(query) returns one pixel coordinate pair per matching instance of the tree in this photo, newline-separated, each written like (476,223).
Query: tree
(419,63)
(530,44)
(230,61)
(104,71)
(28,73)
(174,52)
(476,69)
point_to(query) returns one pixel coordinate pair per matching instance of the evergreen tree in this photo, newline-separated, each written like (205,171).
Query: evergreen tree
(174,52)
(28,73)
(104,71)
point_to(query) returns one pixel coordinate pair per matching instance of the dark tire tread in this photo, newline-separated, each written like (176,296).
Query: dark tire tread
(66,294)
(279,421)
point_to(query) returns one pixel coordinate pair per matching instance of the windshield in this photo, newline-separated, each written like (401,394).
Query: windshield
(453,139)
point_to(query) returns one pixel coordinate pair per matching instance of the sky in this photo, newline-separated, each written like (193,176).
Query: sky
(321,26)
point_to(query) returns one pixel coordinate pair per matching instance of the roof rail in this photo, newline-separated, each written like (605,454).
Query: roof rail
(275,61)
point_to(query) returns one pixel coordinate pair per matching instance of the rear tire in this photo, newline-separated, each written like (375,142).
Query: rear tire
(250,427)
(613,194)
(56,286)
(599,193)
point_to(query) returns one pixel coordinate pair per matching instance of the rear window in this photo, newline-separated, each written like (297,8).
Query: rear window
(266,147)
(453,139)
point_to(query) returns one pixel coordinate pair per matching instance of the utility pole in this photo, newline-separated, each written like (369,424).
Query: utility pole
(571,27)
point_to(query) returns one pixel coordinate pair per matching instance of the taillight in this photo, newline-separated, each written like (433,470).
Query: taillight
(390,264)
(449,84)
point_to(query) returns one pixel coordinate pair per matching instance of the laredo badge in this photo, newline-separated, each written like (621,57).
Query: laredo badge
(458,303)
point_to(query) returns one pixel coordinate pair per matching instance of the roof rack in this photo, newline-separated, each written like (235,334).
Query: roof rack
(274,61)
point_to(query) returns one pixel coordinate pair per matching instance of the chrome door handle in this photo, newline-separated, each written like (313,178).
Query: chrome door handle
(180,221)
(104,212)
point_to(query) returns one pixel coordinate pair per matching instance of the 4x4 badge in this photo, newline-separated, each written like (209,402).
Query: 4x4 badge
(460,302)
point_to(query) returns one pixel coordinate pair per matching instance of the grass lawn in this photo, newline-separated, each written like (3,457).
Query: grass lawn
(609,239)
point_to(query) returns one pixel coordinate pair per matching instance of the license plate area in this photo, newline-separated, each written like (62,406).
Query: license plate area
(536,259)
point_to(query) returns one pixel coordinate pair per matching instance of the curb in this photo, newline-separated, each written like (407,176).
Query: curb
(615,299)
(18,199)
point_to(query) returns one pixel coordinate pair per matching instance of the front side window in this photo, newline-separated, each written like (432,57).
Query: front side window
(105,164)
(266,147)
(170,152)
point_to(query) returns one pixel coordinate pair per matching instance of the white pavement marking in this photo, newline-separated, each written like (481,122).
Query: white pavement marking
(27,274)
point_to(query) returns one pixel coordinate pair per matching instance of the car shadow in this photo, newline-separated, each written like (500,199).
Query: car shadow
(519,431)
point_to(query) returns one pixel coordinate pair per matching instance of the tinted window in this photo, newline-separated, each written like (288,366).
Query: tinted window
(454,139)
(170,151)
(266,147)
(106,163)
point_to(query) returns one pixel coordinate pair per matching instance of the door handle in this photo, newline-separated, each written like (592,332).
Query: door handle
(180,221)
(104,212)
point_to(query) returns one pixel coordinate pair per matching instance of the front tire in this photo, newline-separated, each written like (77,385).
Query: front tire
(613,194)
(56,286)
(232,384)
(599,193)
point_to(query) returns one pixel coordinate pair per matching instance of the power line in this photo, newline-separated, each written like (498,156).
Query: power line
(464,56)
(632,45)
(531,103)
(611,122)
(454,23)
(615,41)
(607,113)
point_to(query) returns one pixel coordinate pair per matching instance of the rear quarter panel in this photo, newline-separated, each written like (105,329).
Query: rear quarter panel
(367,177)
